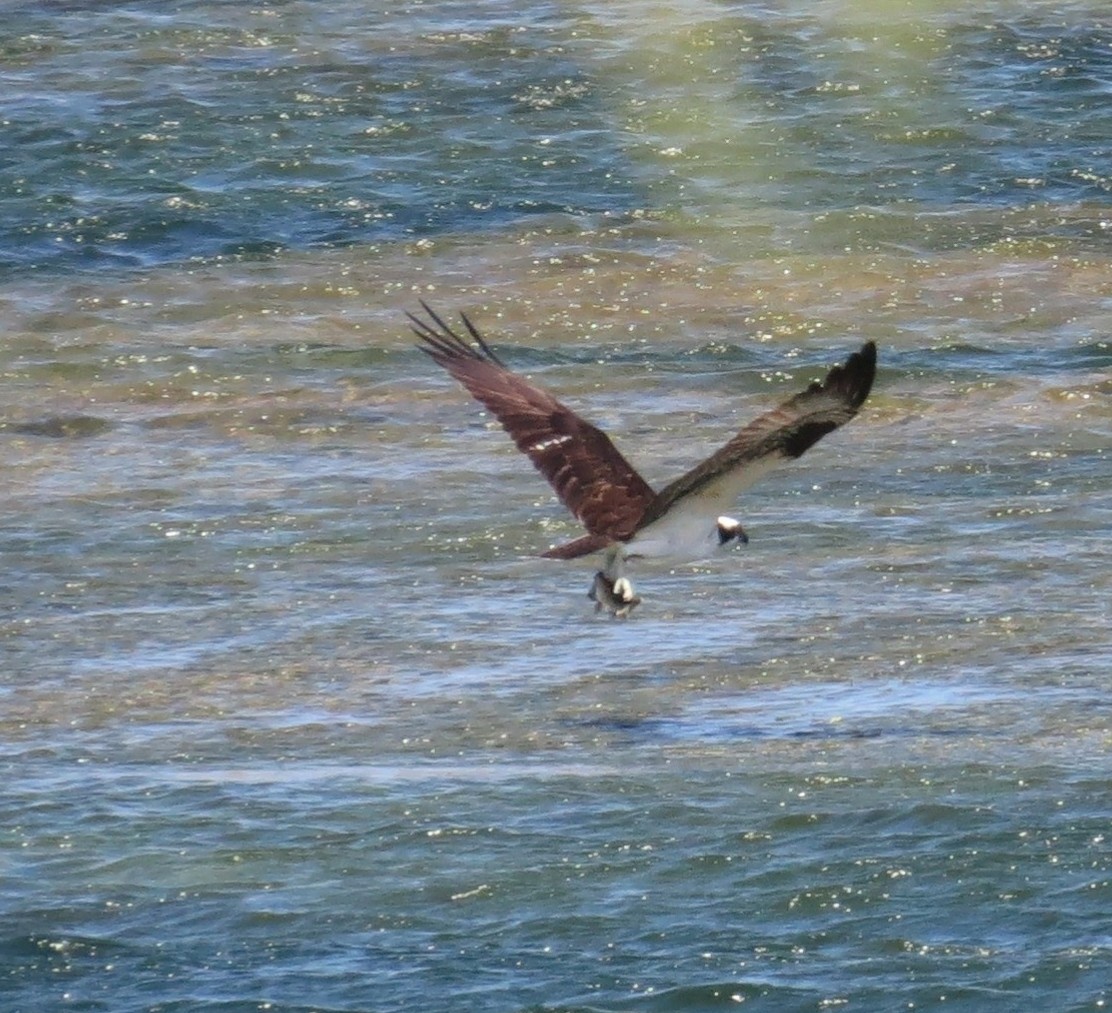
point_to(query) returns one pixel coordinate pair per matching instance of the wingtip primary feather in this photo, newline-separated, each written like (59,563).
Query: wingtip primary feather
(867,372)
(853,379)
(480,340)
(444,344)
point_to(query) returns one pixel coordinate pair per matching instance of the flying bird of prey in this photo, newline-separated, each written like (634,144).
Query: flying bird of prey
(623,515)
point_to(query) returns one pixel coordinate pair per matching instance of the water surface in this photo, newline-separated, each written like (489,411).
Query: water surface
(291,715)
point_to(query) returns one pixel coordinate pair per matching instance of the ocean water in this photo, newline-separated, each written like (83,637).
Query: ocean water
(292,717)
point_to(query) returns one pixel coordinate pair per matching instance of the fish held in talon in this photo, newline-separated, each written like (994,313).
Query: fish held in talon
(623,515)
(614,595)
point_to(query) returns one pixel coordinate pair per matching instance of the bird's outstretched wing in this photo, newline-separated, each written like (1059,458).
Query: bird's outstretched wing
(778,435)
(592,479)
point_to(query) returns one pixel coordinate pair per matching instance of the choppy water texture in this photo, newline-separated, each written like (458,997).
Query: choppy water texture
(291,716)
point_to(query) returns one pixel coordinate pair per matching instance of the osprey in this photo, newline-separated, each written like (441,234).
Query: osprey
(622,513)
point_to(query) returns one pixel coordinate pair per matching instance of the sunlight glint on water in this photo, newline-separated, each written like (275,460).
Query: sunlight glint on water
(293,718)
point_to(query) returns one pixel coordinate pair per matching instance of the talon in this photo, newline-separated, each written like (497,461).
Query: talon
(623,590)
(616,596)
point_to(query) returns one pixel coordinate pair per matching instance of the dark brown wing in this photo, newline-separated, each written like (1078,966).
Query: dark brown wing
(781,434)
(591,478)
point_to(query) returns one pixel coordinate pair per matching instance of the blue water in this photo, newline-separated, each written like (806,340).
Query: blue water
(147,133)
(138,135)
(291,716)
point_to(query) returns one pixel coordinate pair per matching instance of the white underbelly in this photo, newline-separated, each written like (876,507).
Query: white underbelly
(682,535)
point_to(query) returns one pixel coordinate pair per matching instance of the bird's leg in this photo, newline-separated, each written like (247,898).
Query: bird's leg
(611,588)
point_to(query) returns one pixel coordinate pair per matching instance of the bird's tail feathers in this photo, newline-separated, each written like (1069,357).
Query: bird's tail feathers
(582,546)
